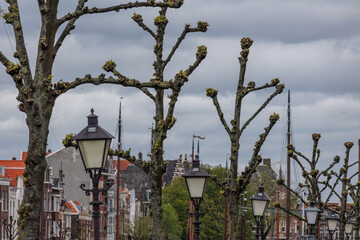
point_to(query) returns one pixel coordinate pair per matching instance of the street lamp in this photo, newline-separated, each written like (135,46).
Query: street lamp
(259,203)
(348,228)
(196,179)
(311,214)
(94,142)
(332,222)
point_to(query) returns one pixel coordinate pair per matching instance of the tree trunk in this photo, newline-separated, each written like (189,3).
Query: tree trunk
(233,196)
(156,199)
(157,171)
(29,213)
(233,201)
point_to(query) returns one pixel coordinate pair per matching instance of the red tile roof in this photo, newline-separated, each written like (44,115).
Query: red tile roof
(123,164)
(13,168)
(75,206)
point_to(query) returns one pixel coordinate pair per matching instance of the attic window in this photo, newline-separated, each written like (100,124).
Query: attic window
(92,129)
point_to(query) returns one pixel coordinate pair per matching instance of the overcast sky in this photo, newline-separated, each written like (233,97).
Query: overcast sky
(312,46)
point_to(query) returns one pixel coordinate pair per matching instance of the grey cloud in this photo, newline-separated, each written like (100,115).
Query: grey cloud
(313,47)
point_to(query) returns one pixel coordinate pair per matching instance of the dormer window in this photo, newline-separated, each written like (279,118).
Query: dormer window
(91,129)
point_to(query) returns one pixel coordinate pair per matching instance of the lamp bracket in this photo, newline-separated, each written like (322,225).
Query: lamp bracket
(193,214)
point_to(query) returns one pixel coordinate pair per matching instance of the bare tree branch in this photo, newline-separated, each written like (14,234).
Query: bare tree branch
(335,161)
(255,159)
(86,10)
(13,18)
(303,169)
(291,213)
(213,94)
(4,60)
(69,26)
(279,89)
(299,154)
(145,166)
(281,183)
(139,20)
(124,81)
(201,27)
(221,184)
(148,93)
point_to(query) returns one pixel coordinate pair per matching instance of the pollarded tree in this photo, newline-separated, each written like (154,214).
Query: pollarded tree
(236,185)
(164,119)
(37,93)
(316,181)
(347,188)
(354,193)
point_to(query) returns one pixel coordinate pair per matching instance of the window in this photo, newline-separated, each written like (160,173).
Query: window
(6,201)
(283,226)
(68,221)
(295,226)
(55,204)
(55,228)
(45,203)
(2,200)
(282,195)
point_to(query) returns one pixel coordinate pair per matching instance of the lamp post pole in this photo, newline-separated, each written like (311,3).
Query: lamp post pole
(259,203)
(197,222)
(196,179)
(96,202)
(257,234)
(93,142)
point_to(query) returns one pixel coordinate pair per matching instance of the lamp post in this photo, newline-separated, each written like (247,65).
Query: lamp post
(332,222)
(196,179)
(311,214)
(348,228)
(94,142)
(259,203)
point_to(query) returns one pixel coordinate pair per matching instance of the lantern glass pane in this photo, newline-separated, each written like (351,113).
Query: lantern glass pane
(258,207)
(348,227)
(196,186)
(332,224)
(92,152)
(311,216)
(108,142)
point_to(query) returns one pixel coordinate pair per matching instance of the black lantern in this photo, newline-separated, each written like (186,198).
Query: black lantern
(259,203)
(311,214)
(332,221)
(94,143)
(196,180)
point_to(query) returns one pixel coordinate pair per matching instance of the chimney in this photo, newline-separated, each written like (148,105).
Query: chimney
(13,158)
(267,162)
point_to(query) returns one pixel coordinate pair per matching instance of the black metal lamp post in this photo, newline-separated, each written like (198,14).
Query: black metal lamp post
(196,179)
(259,203)
(348,228)
(332,222)
(311,214)
(94,143)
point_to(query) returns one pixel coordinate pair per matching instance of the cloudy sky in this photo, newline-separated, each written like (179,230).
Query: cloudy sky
(312,46)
